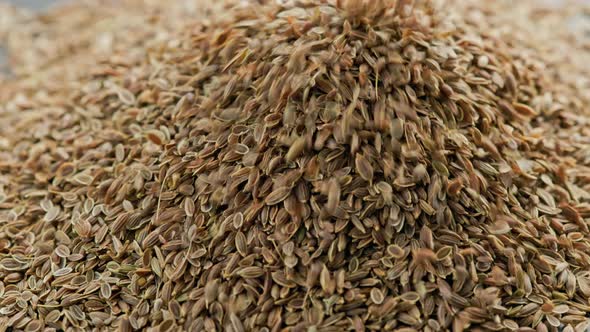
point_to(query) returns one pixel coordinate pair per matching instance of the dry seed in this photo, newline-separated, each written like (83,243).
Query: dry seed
(105,290)
(377,296)
(119,152)
(250,272)
(241,245)
(395,251)
(296,149)
(126,96)
(62,251)
(363,167)
(340,146)
(52,214)
(483,61)
(333,195)
(62,272)
(277,196)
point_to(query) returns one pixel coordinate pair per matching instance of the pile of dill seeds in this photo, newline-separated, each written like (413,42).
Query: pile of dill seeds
(306,165)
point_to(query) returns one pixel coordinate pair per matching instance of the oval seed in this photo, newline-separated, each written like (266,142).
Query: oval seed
(377,296)
(52,213)
(62,251)
(278,195)
(363,167)
(395,251)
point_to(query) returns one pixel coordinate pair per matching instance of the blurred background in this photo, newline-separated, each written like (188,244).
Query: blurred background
(33,7)
(31,4)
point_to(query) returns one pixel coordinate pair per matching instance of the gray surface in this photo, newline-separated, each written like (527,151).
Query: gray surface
(31,4)
(4,69)
(2,58)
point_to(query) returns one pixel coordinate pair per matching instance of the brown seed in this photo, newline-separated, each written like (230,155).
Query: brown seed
(65,169)
(156,137)
(454,186)
(333,195)
(397,128)
(326,281)
(161,176)
(561,309)
(419,172)
(482,61)
(119,152)
(296,149)
(363,167)
(278,195)
(236,323)
(395,251)
(105,290)
(524,110)
(52,214)
(34,325)
(241,245)
(126,96)
(62,272)
(62,251)
(189,207)
(377,296)
(238,220)
(250,272)
(499,227)
(444,252)
(411,297)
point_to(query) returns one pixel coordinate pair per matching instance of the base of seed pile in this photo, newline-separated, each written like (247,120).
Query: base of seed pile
(307,165)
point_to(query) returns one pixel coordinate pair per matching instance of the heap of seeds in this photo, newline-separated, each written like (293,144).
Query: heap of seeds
(305,166)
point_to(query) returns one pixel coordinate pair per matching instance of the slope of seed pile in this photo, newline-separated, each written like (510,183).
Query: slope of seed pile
(329,166)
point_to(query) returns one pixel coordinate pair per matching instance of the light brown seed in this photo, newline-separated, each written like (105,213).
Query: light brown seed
(52,214)
(241,245)
(333,195)
(296,149)
(126,96)
(119,152)
(395,251)
(105,290)
(377,296)
(62,251)
(363,167)
(62,272)
(250,272)
(278,195)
